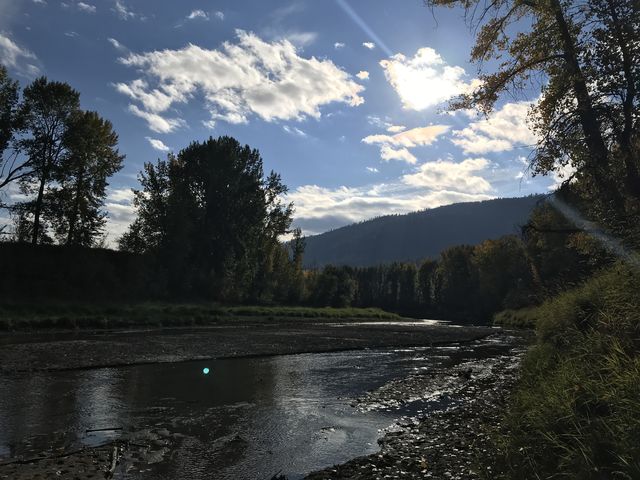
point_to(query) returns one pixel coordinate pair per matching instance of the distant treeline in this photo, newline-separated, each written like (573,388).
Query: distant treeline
(468,283)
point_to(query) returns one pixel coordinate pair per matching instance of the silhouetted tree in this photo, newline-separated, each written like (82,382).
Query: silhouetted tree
(90,158)
(47,109)
(9,123)
(212,218)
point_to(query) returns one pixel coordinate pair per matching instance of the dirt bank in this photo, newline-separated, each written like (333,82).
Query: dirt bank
(74,350)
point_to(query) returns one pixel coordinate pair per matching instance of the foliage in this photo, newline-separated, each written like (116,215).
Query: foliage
(9,124)
(576,412)
(212,220)
(466,283)
(587,57)
(91,157)
(47,110)
(108,315)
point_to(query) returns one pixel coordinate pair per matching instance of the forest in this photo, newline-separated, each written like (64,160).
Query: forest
(210,224)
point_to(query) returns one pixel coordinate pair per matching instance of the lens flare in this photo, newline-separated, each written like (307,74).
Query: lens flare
(205,370)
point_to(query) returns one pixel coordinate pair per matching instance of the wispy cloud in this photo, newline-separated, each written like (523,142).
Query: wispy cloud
(158,144)
(294,131)
(369,45)
(85,7)
(121,9)
(14,56)
(117,45)
(198,14)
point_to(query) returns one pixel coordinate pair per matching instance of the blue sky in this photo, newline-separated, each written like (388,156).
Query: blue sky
(344,98)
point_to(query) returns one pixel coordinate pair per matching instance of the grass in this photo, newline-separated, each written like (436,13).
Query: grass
(73,316)
(576,411)
(523,318)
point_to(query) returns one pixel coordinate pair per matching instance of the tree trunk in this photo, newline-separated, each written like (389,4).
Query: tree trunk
(73,218)
(629,154)
(588,118)
(38,207)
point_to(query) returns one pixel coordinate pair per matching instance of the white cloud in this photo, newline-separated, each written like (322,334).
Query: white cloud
(71,34)
(117,45)
(120,212)
(294,131)
(219,15)
(416,137)
(85,7)
(363,75)
(250,77)
(123,11)
(39,2)
(369,45)
(373,170)
(395,147)
(338,45)
(301,39)
(318,209)
(449,175)
(425,80)
(14,56)
(158,144)
(396,128)
(503,130)
(562,174)
(156,122)
(196,14)
(388,153)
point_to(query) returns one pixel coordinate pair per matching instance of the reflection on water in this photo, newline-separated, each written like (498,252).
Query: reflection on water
(246,418)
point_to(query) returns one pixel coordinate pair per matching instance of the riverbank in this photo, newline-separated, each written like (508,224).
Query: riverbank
(76,316)
(454,441)
(222,338)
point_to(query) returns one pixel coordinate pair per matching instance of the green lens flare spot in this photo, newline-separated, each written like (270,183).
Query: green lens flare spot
(205,370)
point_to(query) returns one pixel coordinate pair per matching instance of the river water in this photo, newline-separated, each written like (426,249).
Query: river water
(239,418)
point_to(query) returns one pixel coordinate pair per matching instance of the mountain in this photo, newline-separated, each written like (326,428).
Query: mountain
(418,235)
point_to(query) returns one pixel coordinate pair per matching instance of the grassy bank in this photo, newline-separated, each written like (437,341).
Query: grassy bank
(523,318)
(576,411)
(71,316)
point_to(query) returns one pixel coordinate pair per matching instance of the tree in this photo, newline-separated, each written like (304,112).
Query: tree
(456,280)
(8,124)
(47,110)
(425,283)
(210,216)
(90,157)
(587,55)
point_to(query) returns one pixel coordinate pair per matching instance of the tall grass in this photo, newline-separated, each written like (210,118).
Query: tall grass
(576,411)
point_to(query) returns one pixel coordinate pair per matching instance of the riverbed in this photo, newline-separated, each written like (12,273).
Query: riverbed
(249,417)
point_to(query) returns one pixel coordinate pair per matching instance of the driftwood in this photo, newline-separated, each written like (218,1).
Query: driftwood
(108,429)
(114,462)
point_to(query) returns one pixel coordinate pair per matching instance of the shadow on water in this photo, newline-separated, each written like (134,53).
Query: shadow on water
(241,418)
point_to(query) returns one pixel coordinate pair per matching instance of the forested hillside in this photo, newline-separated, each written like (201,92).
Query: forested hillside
(418,235)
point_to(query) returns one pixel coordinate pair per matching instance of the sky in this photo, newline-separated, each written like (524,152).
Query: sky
(346,99)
